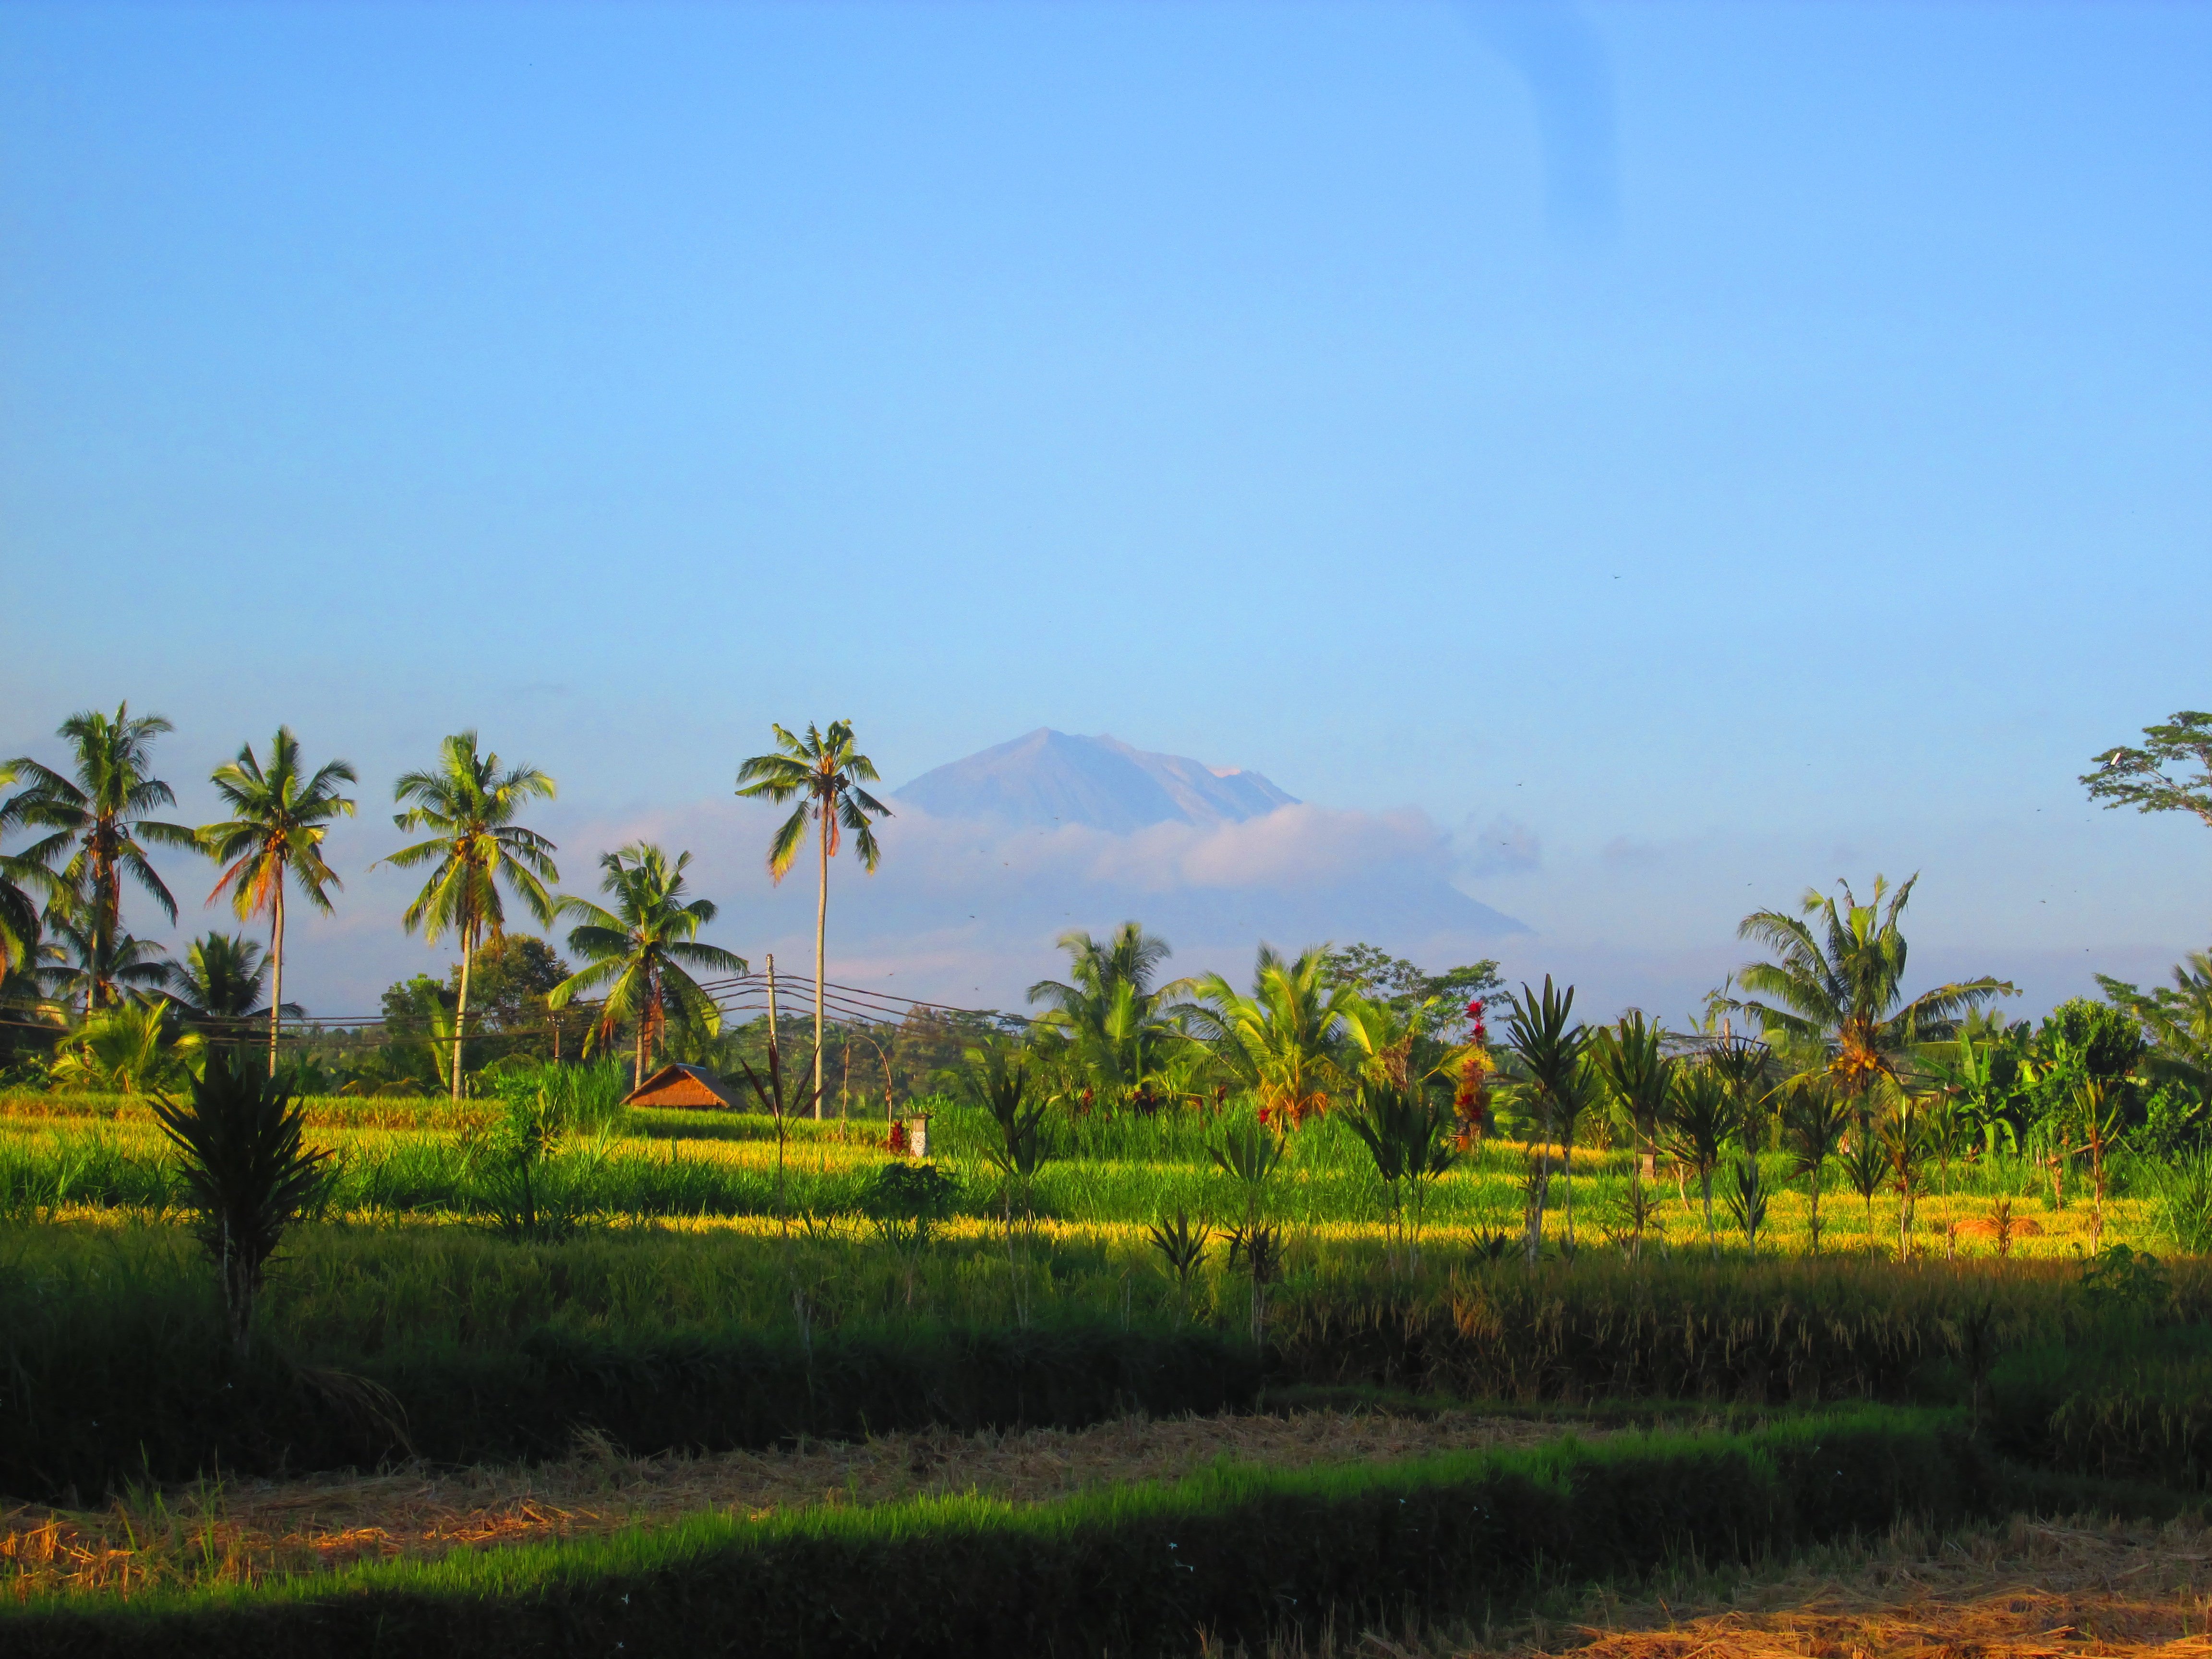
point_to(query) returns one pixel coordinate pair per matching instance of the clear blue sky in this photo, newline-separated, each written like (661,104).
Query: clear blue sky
(1727,446)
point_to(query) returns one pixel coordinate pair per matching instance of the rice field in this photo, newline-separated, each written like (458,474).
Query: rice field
(688,1246)
(411,1162)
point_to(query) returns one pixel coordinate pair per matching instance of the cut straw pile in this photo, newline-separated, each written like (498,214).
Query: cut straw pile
(246,1532)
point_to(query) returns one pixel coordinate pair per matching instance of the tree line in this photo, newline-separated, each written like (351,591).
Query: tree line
(71,969)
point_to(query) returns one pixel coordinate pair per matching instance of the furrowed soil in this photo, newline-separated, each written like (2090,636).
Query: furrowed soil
(2021,1589)
(246,1532)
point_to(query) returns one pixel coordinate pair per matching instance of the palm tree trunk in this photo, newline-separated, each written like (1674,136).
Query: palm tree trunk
(821,934)
(277,958)
(461,1012)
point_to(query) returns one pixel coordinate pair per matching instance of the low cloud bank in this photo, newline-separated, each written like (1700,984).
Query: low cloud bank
(966,909)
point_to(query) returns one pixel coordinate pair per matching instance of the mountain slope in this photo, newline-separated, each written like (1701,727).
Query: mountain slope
(1048,777)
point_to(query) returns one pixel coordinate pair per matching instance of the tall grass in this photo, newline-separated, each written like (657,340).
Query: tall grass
(448,1343)
(111,1345)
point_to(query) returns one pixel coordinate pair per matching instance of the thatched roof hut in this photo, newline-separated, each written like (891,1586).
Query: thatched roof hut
(691,1087)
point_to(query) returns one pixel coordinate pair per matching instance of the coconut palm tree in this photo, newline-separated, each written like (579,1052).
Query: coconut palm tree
(1837,981)
(824,771)
(275,831)
(18,910)
(97,970)
(127,1049)
(1129,954)
(96,820)
(469,804)
(639,949)
(2177,1022)
(1284,1038)
(1117,1020)
(222,980)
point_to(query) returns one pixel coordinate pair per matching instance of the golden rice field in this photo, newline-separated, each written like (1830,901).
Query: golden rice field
(696,1171)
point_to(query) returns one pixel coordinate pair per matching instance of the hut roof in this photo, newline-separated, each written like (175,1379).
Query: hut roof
(678,1084)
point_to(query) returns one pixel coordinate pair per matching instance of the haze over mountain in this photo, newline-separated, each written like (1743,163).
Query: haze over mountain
(1048,777)
(1000,852)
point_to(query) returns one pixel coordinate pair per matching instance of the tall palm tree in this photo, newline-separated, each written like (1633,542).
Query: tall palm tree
(469,804)
(1837,981)
(276,830)
(642,946)
(1111,1011)
(97,819)
(1284,1038)
(824,771)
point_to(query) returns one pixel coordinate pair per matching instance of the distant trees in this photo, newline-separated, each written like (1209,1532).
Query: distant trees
(638,952)
(823,770)
(274,835)
(476,846)
(98,831)
(1399,985)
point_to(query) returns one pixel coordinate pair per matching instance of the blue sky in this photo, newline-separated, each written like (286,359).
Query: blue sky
(1713,449)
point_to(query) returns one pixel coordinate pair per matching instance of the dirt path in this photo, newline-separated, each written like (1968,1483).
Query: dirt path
(2025,1589)
(247,1531)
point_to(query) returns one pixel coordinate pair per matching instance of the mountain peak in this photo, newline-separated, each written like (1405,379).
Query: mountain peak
(1046,777)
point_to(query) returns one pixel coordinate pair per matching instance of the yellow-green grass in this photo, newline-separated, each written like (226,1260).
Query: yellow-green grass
(710,1169)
